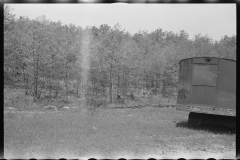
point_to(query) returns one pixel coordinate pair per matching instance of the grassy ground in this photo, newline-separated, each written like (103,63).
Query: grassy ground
(141,128)
(112,133)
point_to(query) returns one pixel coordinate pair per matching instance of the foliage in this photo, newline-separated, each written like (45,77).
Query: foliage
(49,58)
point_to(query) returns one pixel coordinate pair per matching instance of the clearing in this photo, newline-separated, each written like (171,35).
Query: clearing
(147,132)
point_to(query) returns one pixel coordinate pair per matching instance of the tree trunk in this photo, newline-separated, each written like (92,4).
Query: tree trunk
(50,86)
(51,76)
(57,89)
(102,84)
(82,87)
(36,78)
(110,83)
(156,84)
(40,92)
(78,87)
(66,80)
(79,79)
(123,84)
(25,81)
(118,84)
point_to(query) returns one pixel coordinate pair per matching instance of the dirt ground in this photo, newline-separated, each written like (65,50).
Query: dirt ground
(148,132)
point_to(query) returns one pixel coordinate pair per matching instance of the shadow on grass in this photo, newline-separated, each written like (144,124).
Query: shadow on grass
(209,128)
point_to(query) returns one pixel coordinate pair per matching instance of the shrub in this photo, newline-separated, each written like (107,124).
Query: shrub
(96,101)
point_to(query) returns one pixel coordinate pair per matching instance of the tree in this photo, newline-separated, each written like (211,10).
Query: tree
(226,47)
(9,18)
(45,56)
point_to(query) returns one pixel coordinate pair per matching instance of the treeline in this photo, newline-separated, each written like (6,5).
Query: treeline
(49,58)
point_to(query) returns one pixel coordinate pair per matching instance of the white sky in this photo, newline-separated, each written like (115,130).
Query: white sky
(216,20)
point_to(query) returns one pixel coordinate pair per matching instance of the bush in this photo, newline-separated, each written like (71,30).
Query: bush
(120,101)
(96,101)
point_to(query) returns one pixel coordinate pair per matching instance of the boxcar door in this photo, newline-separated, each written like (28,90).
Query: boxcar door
(204,81)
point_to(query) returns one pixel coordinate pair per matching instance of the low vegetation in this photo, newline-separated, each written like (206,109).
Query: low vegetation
(133,128)
(113,133)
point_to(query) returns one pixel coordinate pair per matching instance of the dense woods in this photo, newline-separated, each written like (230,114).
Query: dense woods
(50,59)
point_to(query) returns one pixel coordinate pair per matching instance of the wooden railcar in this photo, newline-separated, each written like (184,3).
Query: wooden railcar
(207,89)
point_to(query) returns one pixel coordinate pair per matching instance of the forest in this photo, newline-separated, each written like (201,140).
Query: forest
(50,60)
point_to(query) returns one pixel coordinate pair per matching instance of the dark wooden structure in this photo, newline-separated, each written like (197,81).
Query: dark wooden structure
(207,88)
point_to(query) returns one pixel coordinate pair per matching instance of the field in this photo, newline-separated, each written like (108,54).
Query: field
(108,132)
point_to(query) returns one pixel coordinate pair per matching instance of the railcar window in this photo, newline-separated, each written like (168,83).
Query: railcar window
(205,75)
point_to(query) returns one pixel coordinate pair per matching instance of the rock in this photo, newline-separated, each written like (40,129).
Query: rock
(132,96)
(50,107)
(11,108)
(66,107)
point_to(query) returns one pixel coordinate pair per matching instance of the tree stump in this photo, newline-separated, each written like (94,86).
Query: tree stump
(132,96)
